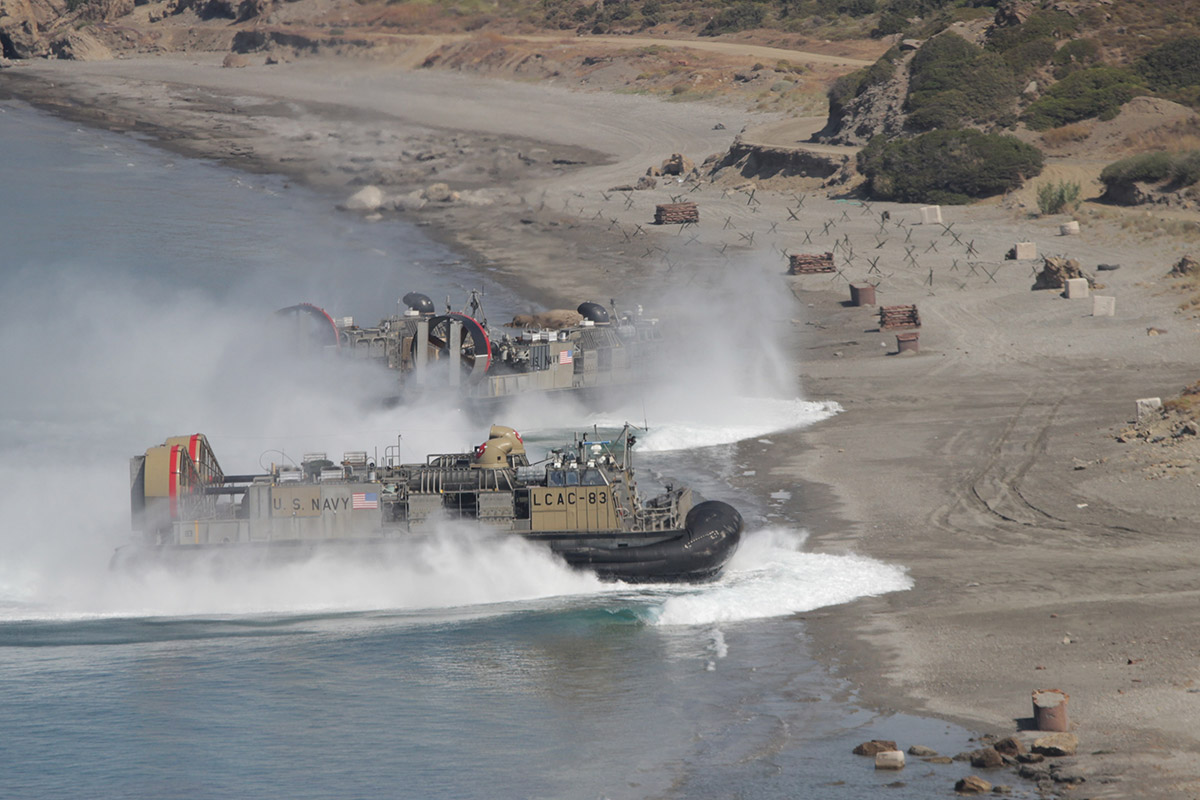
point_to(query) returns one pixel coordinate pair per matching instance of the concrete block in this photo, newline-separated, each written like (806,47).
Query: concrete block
(1026,251)
(1068,228)
(1103,306)
(1148,407)
(1076,288)
(931,214)
(889,759)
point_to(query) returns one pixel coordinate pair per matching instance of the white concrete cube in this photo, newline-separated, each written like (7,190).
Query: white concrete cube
(1148,407)
(1103,306)
(1026,251)
(1076,288)
(889,759)
(1068,228)
(931,214)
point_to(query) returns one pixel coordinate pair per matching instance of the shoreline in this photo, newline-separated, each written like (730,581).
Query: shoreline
(961,462)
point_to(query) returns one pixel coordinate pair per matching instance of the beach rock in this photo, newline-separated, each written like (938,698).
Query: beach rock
(1056,270)
(79,45)
(20,31)
(646,182)
(1067,772)
(987,758)
(889,759)
(1010,746)
(235,61)
(678,164)
(921,751)
(1031,758)
(874,747)
(440,193)
(972,784)
(938,760)
(368,198)
(413,201)
(1056,744)
(1186,266)
(1034,772)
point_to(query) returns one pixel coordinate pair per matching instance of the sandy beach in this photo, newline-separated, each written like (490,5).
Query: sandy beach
(1045,553)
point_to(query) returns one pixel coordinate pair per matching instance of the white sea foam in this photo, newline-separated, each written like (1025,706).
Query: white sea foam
(737,419)
(771,577)
(453,569)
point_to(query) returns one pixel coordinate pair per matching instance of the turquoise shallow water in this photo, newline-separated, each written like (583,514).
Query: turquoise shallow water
(133,288)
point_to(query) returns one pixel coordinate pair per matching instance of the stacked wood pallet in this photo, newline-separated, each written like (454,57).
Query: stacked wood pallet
(898,317)
(806,264)
(676,213)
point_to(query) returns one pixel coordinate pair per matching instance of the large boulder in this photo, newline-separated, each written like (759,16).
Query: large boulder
(1056,744)
(20,32)
(79,45)
(875,747)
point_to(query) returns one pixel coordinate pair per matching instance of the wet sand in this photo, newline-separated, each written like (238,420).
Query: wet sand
(1045,553)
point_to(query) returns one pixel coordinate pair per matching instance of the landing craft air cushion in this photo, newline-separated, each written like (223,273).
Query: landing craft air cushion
(596,351)
(581,501)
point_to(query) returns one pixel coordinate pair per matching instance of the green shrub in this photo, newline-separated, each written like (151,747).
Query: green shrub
(740,16)
(851,85)
(1054,198)
(1094,92)
(1029,56)
(953,82)
(947,166)
(1185,171)
(1142,168)
(1046,24)
(1172,66)
(1178,169)
(894,15)
(1075,55)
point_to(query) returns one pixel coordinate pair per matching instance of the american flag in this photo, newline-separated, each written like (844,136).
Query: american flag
(365,500)
(565,357)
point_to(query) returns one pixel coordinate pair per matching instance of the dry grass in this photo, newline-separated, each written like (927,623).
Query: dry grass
(1187,403)
(1067,134)
(1177,138)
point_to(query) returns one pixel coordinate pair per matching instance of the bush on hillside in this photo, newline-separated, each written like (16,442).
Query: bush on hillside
(1176,169)
(1045,24)
(1075,55)
(740,16)
(1174,65)
(953,82)
(1095,92)
(1030,56)
(851,85)
(948,166)
(1054,198)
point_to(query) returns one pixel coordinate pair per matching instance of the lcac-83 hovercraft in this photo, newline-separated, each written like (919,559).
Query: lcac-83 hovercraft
(581,501)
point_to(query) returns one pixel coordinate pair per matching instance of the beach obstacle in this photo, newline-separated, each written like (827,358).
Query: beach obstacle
(1022,251)
(1050,710)
(1103,306)
(1076,288)
(931,214)
(892,317)
(889,759)
(1148,408)
(862,294)
(810,264)
(907,343)
(676,213)
(1069,228)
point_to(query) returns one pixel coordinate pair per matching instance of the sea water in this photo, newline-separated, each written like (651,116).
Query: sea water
(136,293)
